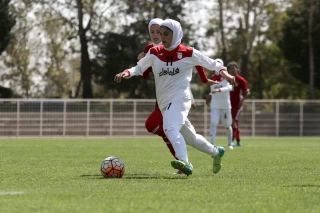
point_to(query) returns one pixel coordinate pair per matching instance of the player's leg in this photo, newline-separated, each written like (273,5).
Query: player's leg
(237,135)
(174,116)
(236,126)
(214,121)
(234,112)
(200,143)
(226,121)
(154,124)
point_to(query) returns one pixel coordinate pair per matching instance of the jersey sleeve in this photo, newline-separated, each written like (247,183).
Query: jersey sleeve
(146,73)
(244,85)
(199,59)
(202,74)
(141,66)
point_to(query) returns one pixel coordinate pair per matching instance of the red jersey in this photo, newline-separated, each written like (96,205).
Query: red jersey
(239,88)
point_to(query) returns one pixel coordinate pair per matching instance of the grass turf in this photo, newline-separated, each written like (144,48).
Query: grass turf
(62,175)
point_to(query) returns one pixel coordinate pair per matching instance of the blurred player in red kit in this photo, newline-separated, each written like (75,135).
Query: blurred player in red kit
(237,96)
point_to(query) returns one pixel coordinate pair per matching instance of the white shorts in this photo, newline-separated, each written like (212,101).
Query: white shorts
(221,114)
(175,115)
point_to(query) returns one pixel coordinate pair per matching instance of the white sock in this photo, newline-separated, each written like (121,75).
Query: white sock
(229,135)
(213,133)
(179,144)
(200,143)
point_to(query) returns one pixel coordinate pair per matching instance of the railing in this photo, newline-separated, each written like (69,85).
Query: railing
(126,117)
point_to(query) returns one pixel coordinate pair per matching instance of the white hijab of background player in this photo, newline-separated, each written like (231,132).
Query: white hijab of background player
(177,32)
(157,21)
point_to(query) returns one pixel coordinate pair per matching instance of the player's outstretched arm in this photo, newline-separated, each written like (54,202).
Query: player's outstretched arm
(121,75)
(211,82)
(231,79)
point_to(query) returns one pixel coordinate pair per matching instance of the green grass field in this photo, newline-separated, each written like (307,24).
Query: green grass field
(62,175)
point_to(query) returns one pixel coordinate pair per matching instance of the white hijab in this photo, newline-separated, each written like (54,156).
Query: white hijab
(157,21)
(177,32)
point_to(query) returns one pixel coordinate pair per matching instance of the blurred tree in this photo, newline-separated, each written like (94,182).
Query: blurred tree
(7,21)
(301,42)
(81,21)
(60,71)
(22,67)
(239,23)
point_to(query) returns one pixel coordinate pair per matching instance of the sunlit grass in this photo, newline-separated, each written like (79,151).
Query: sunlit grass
(62,175)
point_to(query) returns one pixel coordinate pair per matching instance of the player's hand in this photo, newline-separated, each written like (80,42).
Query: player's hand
(141,55)
(193,106)
(211,82)
(120,75)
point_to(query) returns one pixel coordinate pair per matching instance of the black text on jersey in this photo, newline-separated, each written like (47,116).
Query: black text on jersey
(169,71)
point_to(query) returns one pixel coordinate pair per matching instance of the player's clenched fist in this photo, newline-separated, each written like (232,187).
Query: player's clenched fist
(121,75)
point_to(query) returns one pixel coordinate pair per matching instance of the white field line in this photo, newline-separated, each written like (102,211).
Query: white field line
(11,193)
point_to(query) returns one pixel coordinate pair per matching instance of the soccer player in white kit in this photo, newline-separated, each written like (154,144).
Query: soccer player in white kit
(172,66)
(220,106)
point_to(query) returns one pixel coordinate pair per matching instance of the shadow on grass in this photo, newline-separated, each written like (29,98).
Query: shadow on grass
(137,176)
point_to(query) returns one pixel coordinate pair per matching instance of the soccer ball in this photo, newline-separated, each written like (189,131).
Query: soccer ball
(112,167)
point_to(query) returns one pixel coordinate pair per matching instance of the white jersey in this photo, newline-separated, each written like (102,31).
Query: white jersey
(220,100)
(173,71)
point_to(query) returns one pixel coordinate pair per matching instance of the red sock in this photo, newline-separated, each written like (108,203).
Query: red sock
(234,129)
(238,135)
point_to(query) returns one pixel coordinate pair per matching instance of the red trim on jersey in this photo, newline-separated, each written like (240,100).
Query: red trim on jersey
(202,74)
(177,54)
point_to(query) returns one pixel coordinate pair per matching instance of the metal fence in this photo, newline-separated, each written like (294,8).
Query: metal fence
(119,117)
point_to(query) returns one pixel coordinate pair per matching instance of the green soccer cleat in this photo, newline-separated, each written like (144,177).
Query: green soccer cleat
(185,167)
(217,160)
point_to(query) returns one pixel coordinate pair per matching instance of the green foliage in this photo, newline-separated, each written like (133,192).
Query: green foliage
(7,21)
(269,77)
(294,42)
(62,175)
